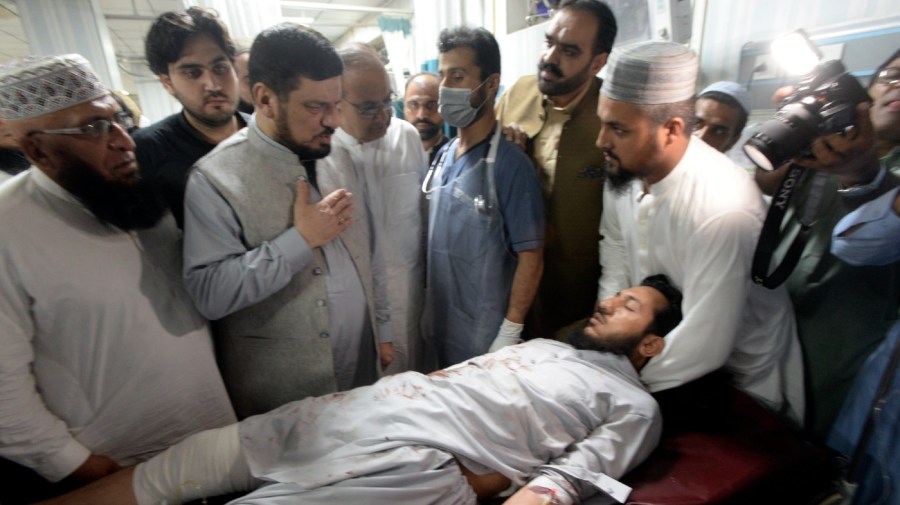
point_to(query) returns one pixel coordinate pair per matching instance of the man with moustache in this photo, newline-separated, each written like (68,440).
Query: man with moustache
(420,106)
(279,259)
(676,206)
(452,437)
(193,56)
(486,218)
(553,114)
(384,158)
(103,359)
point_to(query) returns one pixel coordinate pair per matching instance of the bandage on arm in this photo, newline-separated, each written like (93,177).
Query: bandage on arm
(209,463)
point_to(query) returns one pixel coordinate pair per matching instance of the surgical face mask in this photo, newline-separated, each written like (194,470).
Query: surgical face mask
(454,106)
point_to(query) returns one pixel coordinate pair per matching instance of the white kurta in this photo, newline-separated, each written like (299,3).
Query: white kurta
(101,349)
(575,420)
(699,226)
(390,171)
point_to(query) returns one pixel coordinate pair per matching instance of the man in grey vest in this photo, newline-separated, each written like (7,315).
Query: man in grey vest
(282,264)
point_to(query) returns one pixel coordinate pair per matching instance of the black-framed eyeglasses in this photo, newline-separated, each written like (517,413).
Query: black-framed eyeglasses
(95,129)
(371,109)
(889,76)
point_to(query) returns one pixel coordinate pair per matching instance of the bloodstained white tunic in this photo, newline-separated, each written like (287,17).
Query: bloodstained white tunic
(576,420)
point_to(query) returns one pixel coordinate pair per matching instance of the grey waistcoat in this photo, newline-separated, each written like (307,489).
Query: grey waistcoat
(278,350)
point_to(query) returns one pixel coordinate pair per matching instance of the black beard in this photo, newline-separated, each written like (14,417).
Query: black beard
(620,180)
(429,133)
(125,207)
(210,121)
(622,346)
(284,138)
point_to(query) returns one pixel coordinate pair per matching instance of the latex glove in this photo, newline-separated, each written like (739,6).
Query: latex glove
(508,335)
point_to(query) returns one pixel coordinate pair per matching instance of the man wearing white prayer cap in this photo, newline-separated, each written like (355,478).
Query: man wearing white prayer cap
(676,206)
(721,114)
(103,359)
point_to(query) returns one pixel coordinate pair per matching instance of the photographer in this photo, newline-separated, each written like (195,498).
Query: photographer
(870,235)
(843,311)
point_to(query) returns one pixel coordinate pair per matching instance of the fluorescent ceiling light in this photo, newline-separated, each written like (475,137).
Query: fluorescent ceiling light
(796,54)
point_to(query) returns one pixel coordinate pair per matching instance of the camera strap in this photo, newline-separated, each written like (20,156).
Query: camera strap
(771,235)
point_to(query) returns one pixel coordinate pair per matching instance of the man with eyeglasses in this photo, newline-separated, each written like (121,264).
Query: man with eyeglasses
(384,155)
(420,106)
(278,255)
(843,310)
(103,359)
(193,56)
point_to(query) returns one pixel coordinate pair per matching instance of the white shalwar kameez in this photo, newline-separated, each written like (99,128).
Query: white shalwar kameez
(390,171)
(101,349)
(539,412)
(699,226)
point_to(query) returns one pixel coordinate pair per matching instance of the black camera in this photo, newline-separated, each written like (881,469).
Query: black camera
(824,102)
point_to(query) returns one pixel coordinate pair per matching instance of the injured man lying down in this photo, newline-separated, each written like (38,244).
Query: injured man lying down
(563,421)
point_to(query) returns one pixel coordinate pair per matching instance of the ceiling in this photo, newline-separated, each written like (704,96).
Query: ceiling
(129,20)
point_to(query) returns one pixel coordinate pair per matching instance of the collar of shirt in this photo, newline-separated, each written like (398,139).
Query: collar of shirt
(242,119)
(43,181)
(612,362)
(567,110)
(51,186)
(269,140)
(346,139)
(674,178)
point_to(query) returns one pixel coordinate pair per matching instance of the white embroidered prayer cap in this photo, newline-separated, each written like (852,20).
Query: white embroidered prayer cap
(38,85)
(650,73)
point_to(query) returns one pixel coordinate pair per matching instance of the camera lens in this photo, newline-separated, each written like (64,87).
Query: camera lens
(786,135)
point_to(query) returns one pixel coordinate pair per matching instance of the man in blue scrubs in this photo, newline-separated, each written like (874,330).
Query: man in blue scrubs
(485,239)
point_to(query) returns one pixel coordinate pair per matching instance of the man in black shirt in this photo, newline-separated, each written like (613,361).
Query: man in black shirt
(193,56)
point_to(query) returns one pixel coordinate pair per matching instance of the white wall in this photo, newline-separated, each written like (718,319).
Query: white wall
(729,24)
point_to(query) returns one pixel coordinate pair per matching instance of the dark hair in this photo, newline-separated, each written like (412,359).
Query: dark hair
(883,65)
(668,318)
(731,102)
(172,30)
(487,52)
(660,113)
(284,53)
(606,21)
(420,74)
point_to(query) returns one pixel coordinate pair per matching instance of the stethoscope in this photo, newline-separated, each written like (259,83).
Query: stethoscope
(437,169)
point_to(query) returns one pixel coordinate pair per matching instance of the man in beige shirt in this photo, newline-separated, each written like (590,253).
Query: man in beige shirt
(553,116)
